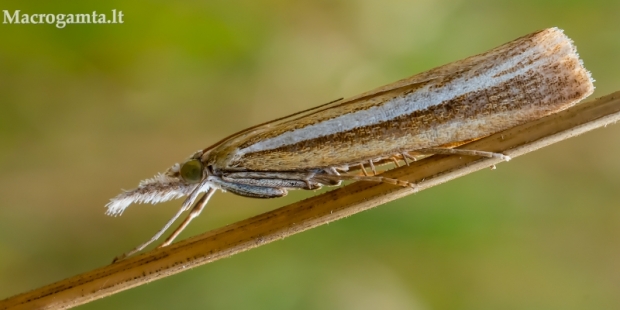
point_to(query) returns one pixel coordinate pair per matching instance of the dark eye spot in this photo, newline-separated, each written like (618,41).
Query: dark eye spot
(191,171)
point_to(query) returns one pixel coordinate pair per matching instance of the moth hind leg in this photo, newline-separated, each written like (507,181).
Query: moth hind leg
(381,179)
(333,171)
(451,151)
(375,178)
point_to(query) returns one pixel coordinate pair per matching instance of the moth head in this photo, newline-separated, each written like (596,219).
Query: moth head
(191,171)
(178,181)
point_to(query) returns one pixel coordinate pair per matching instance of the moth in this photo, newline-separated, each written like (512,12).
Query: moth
(428,113)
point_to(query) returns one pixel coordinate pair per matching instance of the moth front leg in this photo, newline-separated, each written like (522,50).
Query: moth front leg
(248,190)
(292,180)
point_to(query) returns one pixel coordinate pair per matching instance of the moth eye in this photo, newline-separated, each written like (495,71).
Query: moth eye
(191,171)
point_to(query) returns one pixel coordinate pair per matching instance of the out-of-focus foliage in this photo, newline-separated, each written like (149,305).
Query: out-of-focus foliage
(89,109)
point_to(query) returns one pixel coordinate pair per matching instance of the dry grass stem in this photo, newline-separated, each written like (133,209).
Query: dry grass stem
(315,211)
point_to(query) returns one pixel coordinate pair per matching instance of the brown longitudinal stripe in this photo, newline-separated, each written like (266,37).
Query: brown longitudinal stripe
(328,114)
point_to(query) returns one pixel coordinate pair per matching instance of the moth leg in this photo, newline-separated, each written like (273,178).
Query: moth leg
(184,207)
(372,167)
(198,207)
(363,169)
(332,170)
(343,168)
(153,239)
(274,183)
(281,175)
(385,180)
(253,191)
(449,151)
(395,160)
(405,158)
(379,179)
(407,155)
(295,180)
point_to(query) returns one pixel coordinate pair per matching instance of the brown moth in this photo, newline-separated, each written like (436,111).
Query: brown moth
(428,113)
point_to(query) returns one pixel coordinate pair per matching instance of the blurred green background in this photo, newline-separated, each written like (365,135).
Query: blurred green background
(90,109)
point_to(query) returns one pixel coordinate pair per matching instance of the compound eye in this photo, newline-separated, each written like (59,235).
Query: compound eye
(191,171)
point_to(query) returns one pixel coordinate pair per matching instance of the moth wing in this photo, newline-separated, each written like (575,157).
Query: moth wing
(404,83)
